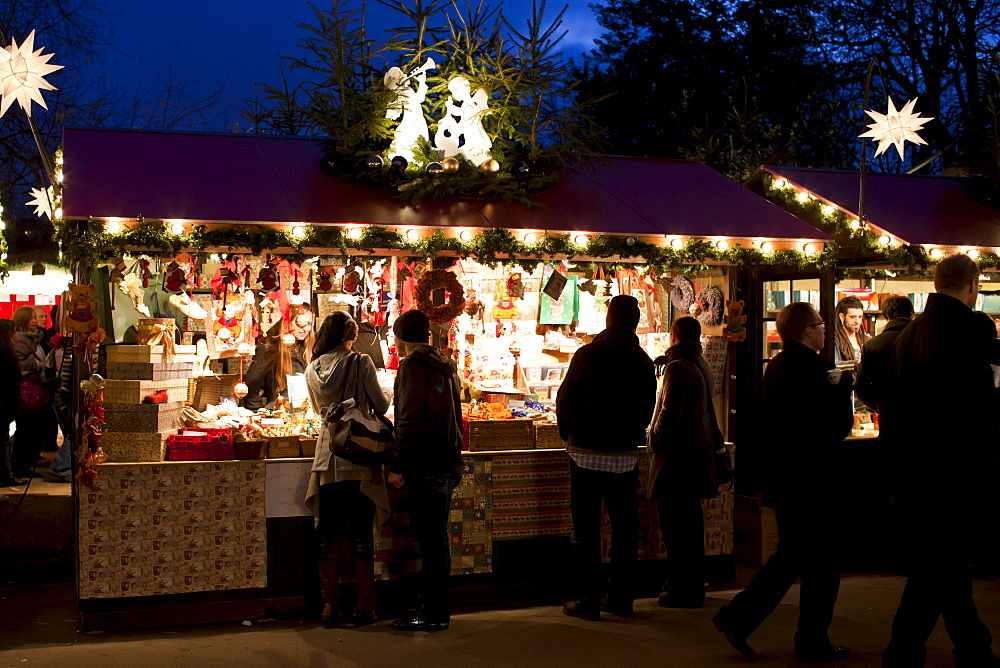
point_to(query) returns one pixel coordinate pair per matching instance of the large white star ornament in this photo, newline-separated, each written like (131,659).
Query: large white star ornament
(896,127)
(43,201)
(22,74)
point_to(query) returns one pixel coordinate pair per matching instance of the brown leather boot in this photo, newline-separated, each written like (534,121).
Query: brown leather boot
(331,555)
(364,577)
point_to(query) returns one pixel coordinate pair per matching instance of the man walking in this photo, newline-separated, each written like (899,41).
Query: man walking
(427,460)
(613,372)
(939,409)
(683,439)
(804,484)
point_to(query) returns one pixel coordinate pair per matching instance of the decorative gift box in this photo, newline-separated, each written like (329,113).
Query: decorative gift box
(150,370)
(133,391)
(283,446)
(123,446)
(515,434)
(147,354)
(143,417)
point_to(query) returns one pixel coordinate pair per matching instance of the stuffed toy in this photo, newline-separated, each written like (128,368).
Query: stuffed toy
(80,317)
(734,330)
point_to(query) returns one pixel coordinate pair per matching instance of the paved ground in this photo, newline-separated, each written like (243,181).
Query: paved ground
(40,629)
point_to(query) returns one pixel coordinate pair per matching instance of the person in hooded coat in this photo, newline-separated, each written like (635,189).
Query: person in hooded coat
(346,498)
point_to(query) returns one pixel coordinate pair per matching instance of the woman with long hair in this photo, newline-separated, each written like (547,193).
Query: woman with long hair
(10,401)
(289,353)
(32,422)
(345,497)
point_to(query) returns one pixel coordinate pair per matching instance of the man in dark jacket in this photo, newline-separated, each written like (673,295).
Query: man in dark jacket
(938,413)
(814,411)
(603,408)
(683,439)
(876,355)
(427,460)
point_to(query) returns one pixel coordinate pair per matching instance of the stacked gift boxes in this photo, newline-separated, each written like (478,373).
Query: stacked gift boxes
(135,431)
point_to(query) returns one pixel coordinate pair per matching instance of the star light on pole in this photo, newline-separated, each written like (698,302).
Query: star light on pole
(896,127)
(22,74)
(43,198)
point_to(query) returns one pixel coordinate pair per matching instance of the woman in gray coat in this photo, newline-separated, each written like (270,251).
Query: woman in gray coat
(345,498)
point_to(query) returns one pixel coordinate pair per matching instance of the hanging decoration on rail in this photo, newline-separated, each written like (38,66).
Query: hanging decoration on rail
(438,279)
(22,74)
(896,127)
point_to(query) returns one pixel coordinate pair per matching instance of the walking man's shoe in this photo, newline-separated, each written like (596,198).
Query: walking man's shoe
(578,609)
(736,642)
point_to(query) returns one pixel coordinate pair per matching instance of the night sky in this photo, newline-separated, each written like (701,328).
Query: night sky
(228,45)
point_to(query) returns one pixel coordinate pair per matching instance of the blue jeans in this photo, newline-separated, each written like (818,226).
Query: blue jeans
(619,492)
(63,463)
(429,502)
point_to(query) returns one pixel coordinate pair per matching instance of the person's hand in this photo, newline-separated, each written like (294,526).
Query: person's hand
(396,480)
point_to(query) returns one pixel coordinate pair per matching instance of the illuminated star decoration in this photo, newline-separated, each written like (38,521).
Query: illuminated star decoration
(43,201)
(22,74)
(896,127)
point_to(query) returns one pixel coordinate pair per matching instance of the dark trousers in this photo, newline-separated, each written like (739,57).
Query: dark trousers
(33,430)
(682,525)
(5,450)
(344,537)
(619,492)
(808,548)
(938,584)
(429,503)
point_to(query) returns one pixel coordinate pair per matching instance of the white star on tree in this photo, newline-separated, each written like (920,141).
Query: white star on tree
(43,201)
(22,74)
(896,127)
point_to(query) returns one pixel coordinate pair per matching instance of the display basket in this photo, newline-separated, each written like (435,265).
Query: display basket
(251,449)
(282,447)
(547,436)
(308,447)
(209,389)
(515,434)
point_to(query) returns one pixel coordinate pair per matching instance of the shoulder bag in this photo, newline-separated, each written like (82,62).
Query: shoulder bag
(357,433)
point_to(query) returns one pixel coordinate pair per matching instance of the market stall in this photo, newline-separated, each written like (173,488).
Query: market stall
(200,499)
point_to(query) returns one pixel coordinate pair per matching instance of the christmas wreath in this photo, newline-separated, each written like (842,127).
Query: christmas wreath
(711,299)
(437,279)
(682,294)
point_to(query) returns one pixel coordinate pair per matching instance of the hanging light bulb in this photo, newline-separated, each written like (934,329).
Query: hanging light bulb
(855,223)
(809,249)
(722,244)
(802,197)
(580,240)
(780,183)
(355,233)
(466,235)
(767,247)
(937,253)
(884,240)
(299,231)
(676,242)
(413,234)
(530,238)
(113,226)
(828,210)
(177,228)
(973,253)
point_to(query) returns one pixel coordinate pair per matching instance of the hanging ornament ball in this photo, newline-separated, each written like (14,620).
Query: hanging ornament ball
(373,162)
(490,165)
(398,163)
(630,241)
(288,339)
(435,168)
(450,164)
(241,390)
(695,309)
(244,349)
(224,334)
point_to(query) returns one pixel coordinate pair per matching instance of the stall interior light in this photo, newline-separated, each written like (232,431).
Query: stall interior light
(722,244)
(809,249)
(530,238)
(299,231)
(855,223)
(355,233)
(113,226)
(828,210)
(676,242)
(937,253)
(466,235)
(58,213)
(413,234)
(580,239)
(802,196)
(884,240)
(780,183)
(177,227)
(973,253)
(767,247)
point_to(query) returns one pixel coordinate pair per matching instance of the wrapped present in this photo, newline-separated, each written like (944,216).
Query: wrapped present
(142,417)
(147,354)
(515,434)
(133,391)
(149,370)
(123,446)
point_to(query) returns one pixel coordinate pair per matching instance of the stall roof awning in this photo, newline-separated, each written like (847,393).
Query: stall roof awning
(926,210)
(277,180)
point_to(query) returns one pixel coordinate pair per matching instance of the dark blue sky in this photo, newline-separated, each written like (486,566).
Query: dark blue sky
(228,45)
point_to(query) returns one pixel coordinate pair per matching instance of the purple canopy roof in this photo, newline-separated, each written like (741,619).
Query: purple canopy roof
(277,180)
(928,210)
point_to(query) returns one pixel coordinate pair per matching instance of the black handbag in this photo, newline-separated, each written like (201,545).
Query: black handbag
(357,433)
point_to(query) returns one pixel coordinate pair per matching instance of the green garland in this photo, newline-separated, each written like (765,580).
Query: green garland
(90,245)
